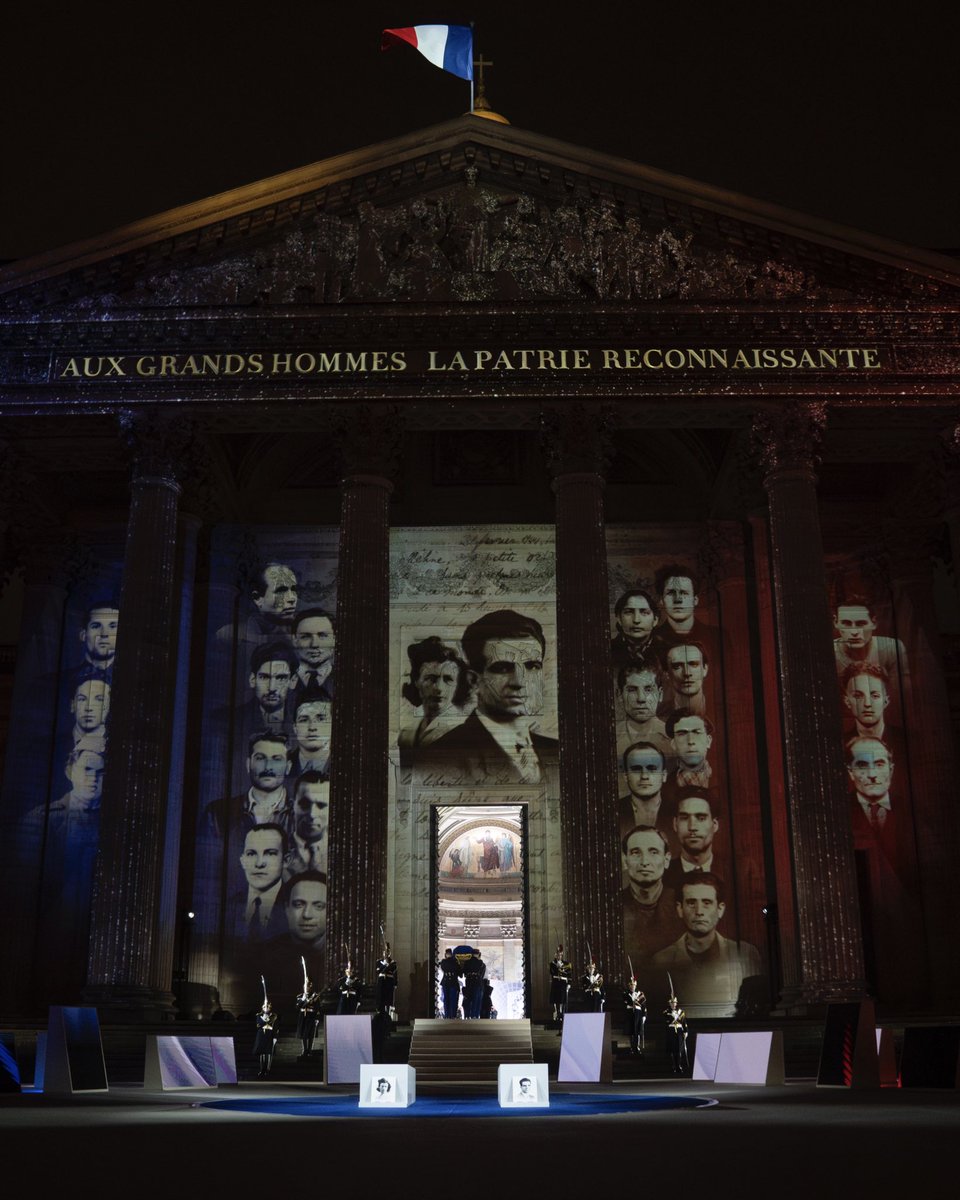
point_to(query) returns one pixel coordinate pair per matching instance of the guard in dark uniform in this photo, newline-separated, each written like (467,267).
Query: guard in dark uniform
(308,1013)
(636,1005)
(676,1035)
(449,984)
(350,985)
(593,990)
(561,972)
(386,981)
(474,970)
(268,1027)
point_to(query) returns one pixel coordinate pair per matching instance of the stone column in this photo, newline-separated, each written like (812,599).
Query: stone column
(369,440)
(825,884)
(911,538)
(576,444)
(53,561)
(130,943)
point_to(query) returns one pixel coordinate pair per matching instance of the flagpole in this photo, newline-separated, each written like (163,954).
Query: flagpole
(471,67)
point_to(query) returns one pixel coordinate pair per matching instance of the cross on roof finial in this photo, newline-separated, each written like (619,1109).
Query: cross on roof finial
(480,63)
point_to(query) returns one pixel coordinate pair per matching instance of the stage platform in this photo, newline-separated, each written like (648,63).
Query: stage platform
(786,1143)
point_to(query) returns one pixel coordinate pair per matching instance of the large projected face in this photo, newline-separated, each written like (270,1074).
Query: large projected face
(679,600)
(437,683)
(314,641)
(646,772)
(268,765)
(511,683)
(307,910)
(866,698)
(646,858)
(91,704)
(276,596)
(695,826)
(870,767)
(310,811)
(688,668)
(271,684)
(641,696)
(99,636)
(262,858)
(636,618)
(700,909)
(691,740)
(855,626)
(86,776)
(312,728)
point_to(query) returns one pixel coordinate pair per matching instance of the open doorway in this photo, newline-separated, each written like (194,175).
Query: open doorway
(479,893)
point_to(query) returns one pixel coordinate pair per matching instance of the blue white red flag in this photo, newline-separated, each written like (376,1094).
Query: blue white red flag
(449,47)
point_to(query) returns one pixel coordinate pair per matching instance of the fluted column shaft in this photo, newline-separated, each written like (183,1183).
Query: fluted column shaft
(588,780)
(358,752)
(130,945)
(825,885)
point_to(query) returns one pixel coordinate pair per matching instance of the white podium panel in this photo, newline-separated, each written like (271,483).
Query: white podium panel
(387,1085)
(585,1049)
(348,1045)
(523,1085)
(755,1057)
(187,1062)
(705,1055)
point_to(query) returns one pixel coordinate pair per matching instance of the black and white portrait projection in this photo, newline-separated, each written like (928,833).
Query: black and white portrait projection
(260,890)
(474,724)
(61,778)
(893,730)
(687,816)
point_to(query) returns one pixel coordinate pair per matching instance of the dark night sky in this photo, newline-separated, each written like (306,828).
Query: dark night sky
(846,110)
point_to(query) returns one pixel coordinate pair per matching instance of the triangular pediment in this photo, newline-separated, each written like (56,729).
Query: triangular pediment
(473,211)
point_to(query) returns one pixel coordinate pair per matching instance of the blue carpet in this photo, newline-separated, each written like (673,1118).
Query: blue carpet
(561,1105)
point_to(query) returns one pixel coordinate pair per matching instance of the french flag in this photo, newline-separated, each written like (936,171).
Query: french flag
(449,47)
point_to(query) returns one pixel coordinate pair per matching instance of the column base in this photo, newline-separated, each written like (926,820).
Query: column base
(127,1004)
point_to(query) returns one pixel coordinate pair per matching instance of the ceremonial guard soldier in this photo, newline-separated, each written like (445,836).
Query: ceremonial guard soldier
(349,984)
(268,1026)
(593,990)
(386,981)
(636,1003)
(676,1033)
(561,972)
(308,1014)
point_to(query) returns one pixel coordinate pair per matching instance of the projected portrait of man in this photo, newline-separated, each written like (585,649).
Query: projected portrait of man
(304,901)
(90,707)
(691,737)
(645,770)
(641,693)
(266,800)
(650,920)
(635,613)
(253,912)
(695,825)
(857,642)
(98,637)
(686,667)
(274,595)
(707,968)
(498,742)
(678,597)
(314,642)
(877,816)
(272,676)
(311,804)
(311,728)
(439,687)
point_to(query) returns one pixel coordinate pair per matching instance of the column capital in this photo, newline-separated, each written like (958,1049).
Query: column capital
(786,438)
(369,438)
(160,444)
(576,439)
